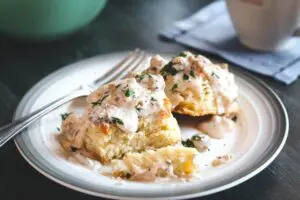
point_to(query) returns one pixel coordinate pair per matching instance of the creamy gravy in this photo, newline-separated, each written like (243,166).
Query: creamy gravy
(204,159)
(217,127)
(224,86)
(124,101)
(190,73)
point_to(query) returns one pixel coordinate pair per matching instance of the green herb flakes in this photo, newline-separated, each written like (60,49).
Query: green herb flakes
(153,99)
(213,74)
(169,69)
(182,54)
(185,77)
(188,143)
(99,102)
(64,116)
(142,76)
(129,93)
(174,86)
(196,138)
(116,120)
(192,73)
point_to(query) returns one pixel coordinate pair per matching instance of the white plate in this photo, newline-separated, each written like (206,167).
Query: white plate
(262,132)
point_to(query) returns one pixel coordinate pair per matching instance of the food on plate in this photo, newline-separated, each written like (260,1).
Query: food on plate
(171,161)
(217,127)
(128,124)
(196,86)
(220,160)
(130,115)
(199,142)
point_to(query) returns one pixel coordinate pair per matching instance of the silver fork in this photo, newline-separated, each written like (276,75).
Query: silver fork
(132,62)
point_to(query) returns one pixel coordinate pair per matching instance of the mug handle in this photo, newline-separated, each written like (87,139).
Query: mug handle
(297,32)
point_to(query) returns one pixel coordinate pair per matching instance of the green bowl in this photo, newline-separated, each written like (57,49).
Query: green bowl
(46,18)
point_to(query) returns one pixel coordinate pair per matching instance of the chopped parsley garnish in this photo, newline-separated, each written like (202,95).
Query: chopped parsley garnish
(129,93)
(188,143)
(215,75)
(174,86)
(196,138)
(153,99)
(64,116)
(169,69)
(192,73)
(117,121)
(142,76)
(99,102)
(185,77)
(182,54)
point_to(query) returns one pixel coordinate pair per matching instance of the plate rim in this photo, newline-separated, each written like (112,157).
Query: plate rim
(257,169)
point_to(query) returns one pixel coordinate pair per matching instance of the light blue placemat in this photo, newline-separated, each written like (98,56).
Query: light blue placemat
(211,30)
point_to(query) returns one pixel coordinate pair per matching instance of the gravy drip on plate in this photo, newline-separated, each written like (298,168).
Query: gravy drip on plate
(217,127)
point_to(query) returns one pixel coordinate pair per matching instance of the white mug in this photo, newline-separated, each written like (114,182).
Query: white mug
(265,24)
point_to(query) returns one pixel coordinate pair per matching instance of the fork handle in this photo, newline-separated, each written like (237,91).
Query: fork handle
(10,130)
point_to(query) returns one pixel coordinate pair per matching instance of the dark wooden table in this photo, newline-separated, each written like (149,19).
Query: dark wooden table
(124,25)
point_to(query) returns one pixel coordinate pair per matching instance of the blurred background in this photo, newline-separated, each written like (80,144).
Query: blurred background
(75,30)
